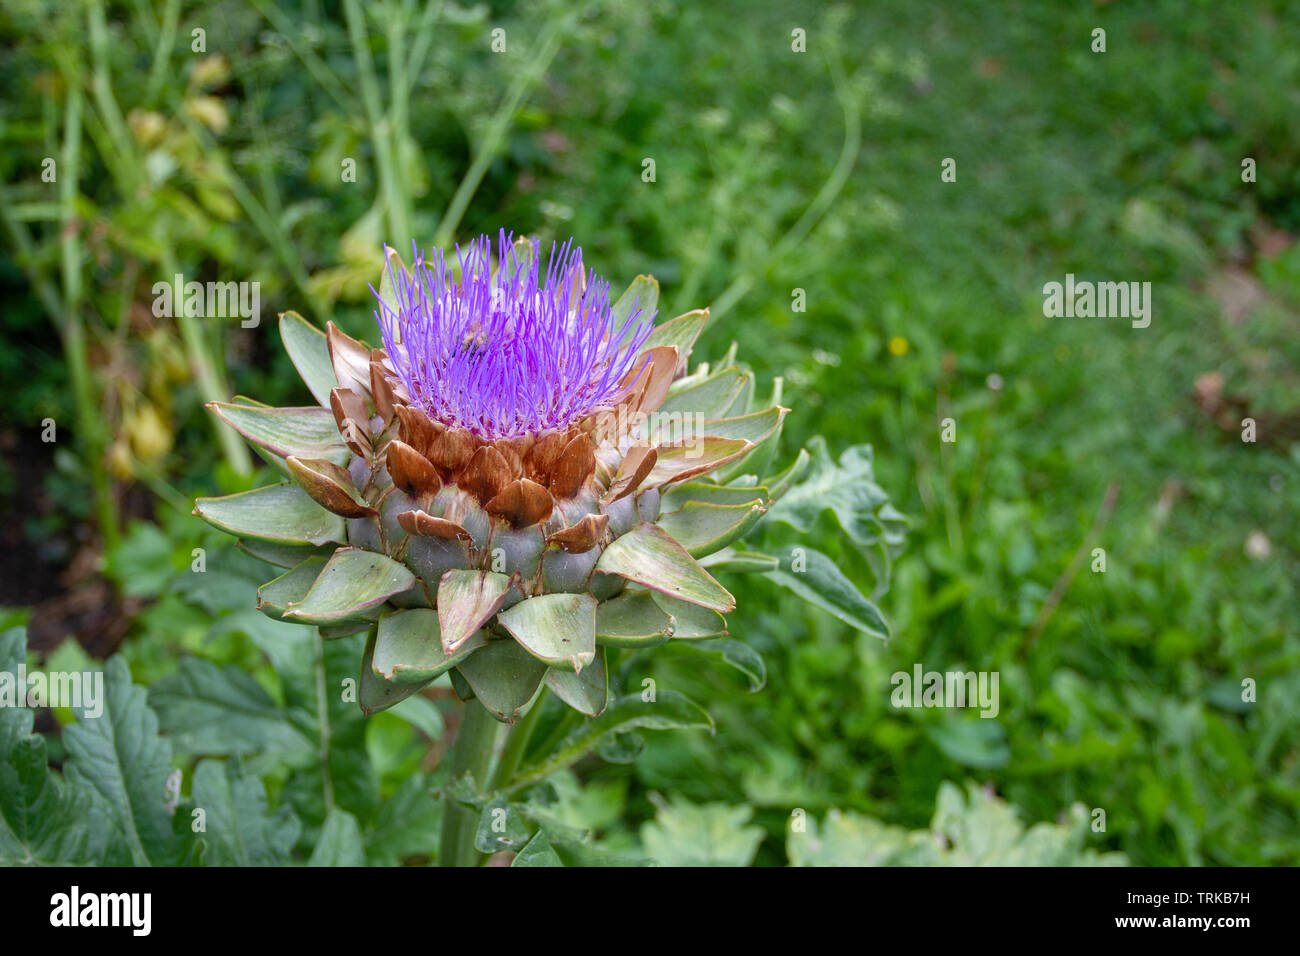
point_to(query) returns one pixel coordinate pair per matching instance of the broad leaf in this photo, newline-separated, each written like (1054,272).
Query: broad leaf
(703,529)
(310,354)
(309,432)
(649,556)
(643,295)
(819,581)
(632,619)
(44,820)
(585,692)
(120,755)
(217,712)
(504,677)
(340,842)
(558,629)
(239,829)
(714,834)
(740,656)
(353,582)
(466,601)
(280,513)
(409,649)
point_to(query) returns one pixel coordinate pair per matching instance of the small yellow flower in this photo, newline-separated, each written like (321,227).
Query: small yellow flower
(898,345)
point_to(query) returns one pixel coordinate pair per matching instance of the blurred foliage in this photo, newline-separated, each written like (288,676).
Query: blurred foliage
(923,302)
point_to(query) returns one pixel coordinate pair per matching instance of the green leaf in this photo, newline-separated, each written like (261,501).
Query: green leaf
(767,424)
(648,555)
(781,482)
(669,710)
(677,461)
(376,693)
(393,268)
(643,293)
(308,432)
(710,398)
(280,513)
(289,588)
(979,742)
(703,529)
(754,427)
(282,555)
(218,712)
(239,828)
(340,842)
(706,492)
(409,824)
(310,354)
(466,601)
(44,820)
(742,562)
(820,582)
(686,834)
(691,622)
(632,619)
(977,829)
(585,692)
(353,582)
(743,402)
(740,656)
(558,629)
(408,647)
(504,677)
(537,852)
(120,755)
(500,827)
(681,331)
(847,491)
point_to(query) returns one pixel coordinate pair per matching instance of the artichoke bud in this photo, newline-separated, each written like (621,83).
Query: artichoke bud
(500,451)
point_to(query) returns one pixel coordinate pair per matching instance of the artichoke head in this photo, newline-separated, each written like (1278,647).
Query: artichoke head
(510,562)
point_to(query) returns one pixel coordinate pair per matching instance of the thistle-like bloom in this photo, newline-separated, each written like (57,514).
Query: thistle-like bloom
(499,492)
(499,355)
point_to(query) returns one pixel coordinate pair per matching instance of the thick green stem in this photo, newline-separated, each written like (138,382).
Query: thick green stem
(475,745)
(517,739)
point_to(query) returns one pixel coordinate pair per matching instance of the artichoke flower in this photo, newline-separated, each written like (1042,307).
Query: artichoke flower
(524,475)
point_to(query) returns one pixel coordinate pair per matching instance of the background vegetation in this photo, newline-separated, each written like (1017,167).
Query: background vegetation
(775,171)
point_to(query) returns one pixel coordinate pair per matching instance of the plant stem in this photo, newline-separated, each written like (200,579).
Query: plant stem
(517,739)
(475,744)
(75,346)
(495,134)
(323,721)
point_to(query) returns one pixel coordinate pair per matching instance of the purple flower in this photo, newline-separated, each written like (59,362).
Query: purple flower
(500,355)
